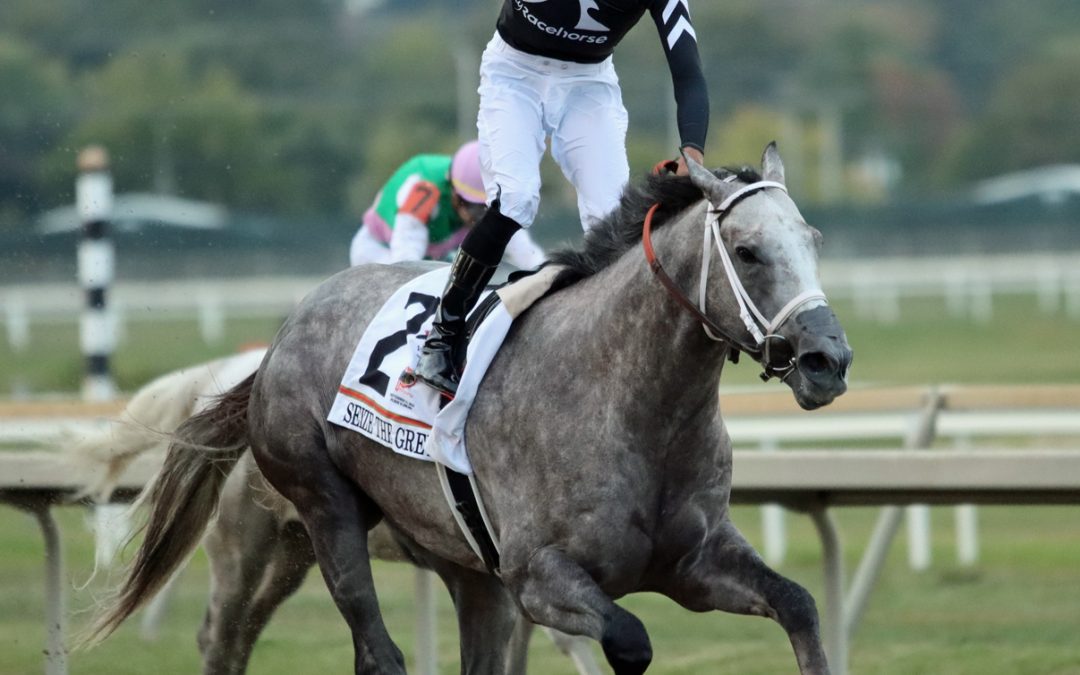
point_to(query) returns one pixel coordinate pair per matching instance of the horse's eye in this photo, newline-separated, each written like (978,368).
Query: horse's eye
(746,255)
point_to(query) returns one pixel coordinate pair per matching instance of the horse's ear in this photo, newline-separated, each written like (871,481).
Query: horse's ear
(712,187)
(772,167)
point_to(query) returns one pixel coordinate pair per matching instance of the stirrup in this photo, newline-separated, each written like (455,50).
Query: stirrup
(437,378)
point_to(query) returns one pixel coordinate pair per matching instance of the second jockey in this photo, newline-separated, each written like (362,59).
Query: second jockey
(425,210)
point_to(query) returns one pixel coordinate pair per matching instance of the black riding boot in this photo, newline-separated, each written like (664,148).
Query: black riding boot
(473,267)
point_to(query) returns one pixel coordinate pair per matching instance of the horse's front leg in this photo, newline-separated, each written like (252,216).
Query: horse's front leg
(726,573)
(240,547)
(291,558)
(257,560)
(555,591)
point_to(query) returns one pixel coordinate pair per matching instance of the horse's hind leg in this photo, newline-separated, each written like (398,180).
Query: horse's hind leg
(728,574)
(338,516)
(555,591)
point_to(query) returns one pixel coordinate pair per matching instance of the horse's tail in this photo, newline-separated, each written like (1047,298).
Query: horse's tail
(182,498)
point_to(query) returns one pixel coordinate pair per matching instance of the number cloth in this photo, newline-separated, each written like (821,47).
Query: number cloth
(371,398)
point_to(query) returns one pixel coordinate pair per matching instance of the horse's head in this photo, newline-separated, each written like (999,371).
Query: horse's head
(769,258)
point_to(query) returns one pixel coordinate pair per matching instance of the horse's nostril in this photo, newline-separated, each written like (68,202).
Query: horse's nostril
(814,363)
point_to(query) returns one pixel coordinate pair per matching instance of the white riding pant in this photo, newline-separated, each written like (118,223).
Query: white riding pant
(366,248)
(523,100)
(522,252)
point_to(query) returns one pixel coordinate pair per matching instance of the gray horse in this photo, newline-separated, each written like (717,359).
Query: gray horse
(596,437)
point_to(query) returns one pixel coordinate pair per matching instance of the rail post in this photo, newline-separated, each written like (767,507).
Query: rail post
(773,530)
(97,328)
(96,263)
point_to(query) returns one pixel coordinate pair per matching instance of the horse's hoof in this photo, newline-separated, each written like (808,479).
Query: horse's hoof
(626,645)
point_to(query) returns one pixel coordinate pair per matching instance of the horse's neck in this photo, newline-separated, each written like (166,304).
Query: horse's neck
(624,322)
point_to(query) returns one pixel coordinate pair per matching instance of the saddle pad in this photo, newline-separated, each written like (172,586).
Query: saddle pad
(406,418)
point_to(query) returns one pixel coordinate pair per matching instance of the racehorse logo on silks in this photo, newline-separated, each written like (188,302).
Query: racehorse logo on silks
(585,21)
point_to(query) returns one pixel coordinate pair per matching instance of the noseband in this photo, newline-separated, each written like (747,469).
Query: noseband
(764,333)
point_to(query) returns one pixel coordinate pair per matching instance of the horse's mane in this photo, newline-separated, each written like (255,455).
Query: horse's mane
(621,229)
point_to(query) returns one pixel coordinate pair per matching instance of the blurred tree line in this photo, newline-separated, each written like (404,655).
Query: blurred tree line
(297,108)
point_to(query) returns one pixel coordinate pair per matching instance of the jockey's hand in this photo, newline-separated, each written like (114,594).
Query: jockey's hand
(692,153)
(665,167)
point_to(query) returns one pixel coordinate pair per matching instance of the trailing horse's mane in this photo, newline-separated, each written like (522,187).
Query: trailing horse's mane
(621,229)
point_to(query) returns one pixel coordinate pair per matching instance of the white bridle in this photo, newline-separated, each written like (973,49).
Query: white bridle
(760,328)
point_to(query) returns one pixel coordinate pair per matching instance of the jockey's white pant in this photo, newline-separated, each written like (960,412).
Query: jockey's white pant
(523,100)
(522,252)
(366,248)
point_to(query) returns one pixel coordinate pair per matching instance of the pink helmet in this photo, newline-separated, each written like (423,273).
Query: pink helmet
(465,173)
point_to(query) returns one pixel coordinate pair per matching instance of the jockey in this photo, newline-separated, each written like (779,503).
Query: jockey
(425,210)
(548,72)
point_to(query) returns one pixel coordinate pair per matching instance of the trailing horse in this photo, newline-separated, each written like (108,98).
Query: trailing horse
(596,438)
(258,550)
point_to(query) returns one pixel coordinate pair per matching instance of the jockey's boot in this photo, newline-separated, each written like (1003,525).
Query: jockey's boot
(473,267)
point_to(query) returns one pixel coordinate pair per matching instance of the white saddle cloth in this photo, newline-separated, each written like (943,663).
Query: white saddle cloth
(372,399)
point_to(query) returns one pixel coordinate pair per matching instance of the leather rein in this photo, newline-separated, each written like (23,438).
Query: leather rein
(676,293)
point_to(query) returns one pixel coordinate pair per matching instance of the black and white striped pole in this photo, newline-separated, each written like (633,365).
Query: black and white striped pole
(96,263)
(97,329)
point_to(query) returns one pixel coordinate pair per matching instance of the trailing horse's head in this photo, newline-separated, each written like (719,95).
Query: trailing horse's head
(767,259)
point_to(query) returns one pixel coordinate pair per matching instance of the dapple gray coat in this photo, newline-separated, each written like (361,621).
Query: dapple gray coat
(596,438)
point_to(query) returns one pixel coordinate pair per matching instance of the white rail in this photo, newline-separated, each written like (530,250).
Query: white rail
(812,480)
(875,286)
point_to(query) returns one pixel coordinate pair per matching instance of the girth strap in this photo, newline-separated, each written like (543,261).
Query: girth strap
(466,502)
(461,491)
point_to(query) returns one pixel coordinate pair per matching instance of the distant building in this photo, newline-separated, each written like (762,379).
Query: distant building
(134,211)
(1050,184)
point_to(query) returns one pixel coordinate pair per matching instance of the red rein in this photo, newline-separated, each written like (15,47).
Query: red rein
(672,289)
